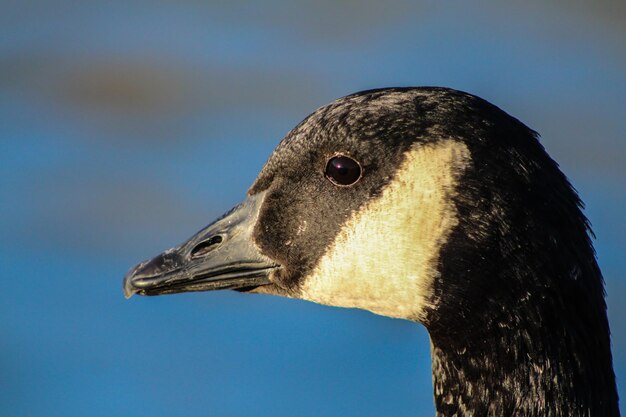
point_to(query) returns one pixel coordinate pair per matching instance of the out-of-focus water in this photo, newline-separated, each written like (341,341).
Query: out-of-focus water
(125,128)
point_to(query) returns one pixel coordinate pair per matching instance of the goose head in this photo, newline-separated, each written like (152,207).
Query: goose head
(430,205)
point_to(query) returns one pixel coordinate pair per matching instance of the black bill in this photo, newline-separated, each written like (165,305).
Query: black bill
(221,256)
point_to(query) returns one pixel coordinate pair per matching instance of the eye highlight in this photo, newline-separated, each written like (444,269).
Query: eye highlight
(342,170)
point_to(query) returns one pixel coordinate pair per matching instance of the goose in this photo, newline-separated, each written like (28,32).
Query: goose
(430,205)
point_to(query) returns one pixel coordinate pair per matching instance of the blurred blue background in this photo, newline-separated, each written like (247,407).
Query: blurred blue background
(125,127)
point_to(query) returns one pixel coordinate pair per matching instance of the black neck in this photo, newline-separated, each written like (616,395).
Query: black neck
(518,319)
(540,354)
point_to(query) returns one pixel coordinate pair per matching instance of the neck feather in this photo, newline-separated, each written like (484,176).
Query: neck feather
(541,354)
(518,319)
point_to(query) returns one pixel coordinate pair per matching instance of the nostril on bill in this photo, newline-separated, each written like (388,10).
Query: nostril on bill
(205,247)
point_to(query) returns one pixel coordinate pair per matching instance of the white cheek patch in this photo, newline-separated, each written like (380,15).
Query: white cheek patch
(384,259)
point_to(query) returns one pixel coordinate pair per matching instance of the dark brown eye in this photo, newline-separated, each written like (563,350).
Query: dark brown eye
(342,170)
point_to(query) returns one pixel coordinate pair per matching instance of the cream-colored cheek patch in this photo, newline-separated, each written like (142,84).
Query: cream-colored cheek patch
(385,257)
